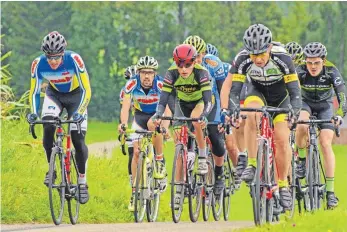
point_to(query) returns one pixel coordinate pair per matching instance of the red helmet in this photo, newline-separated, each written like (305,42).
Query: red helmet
(184,54)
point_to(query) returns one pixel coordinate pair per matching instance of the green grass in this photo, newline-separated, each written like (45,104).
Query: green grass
(25,198)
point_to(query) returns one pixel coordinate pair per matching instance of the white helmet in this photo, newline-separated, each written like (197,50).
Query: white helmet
(147,62)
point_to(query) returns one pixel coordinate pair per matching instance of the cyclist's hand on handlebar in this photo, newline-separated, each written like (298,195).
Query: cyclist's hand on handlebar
(31,118)
(78,117)
(122,128)
(337,120)
(156,120)
(203,121)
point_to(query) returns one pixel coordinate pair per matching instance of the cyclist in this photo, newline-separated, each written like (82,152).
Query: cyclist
(129,72)
(219,71)
(194,99)
(144,89)
(211,49)
(296,53)
(68,88)
(272,81)
(317,81)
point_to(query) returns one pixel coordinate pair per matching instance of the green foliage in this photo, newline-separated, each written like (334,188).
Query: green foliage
(112,35)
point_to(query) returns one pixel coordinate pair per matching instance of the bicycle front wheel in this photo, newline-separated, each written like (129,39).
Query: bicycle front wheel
(72,196)
(229,188)
(208,189)
(195,191)
(310,178)
(141,189)
(154,198)
(177,183)
(56,186)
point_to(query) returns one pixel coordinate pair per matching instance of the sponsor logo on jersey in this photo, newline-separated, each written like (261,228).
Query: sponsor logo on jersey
(130,85)
(255,73)
(147,100)
(211,62)
(272,71)
(51,107)
(33,66)
(187,89)
(62,80)
(79,62)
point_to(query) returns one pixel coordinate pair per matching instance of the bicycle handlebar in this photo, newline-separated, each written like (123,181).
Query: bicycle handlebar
(321,121)
(56,122)
(179,119)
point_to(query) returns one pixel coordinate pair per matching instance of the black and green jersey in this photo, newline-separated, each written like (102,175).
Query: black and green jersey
(321,88)
(188,89)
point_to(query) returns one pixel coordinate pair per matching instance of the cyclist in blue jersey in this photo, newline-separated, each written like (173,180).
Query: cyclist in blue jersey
(144,89)
(68,88)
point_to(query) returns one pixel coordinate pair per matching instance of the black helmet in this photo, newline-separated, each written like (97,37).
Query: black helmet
(295,50)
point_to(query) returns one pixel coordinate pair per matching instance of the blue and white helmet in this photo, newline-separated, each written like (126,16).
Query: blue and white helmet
(211,49)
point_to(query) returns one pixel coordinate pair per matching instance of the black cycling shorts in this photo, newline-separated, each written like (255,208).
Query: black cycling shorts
(322,110)
(217,140)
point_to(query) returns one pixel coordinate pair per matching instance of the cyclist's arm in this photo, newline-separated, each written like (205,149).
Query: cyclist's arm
(124,113)
(219,84)
(293,87)
(83,79)
(340,90)
(237,82)
(165,93)
(35,87)
(205,86)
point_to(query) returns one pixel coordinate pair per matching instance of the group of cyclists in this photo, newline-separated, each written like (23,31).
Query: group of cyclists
(199,85)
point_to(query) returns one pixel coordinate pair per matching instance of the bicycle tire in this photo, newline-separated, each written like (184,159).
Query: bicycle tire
(292,187)
(317,178)
(229,188)
(179,153)
(73,200)
(58,168)
(208,189)
(310,177)
(140,201)
(195,188)
(154,201)
(258,195)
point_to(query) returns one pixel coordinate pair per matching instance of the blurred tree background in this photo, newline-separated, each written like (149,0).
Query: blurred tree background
(112,35)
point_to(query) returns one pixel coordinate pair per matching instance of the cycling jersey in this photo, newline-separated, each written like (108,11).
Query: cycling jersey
(274,81)
(142,101)
(218,72)
(191,89)
(320,88)
(70,75)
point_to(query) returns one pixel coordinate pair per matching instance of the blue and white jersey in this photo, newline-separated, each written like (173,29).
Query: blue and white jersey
(143,102)
(218,72)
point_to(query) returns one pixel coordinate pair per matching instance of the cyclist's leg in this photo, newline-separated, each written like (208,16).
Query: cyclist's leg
(230,142)
(197,111)
(283,153)
(239,133)
(254,99)
(51,108)
(325,138)
(301,140)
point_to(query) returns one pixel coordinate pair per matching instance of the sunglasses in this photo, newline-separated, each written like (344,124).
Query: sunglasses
(147,73)
(185,65)
(313,63)
(261,55)
(53,57)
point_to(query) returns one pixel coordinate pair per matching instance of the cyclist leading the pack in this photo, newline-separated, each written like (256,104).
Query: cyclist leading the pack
(68,88)
(273,82)
(318,80)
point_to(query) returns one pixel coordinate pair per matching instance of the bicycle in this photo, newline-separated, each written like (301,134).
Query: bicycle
(147,188)
(265,198)
(313,193)
(63,172)
(184,175)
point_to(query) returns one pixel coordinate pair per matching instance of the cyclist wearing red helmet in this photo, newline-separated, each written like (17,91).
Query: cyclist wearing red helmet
(194,98)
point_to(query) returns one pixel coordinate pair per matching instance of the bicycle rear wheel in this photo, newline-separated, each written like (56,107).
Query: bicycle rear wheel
(154,199)
(72,197)
(140,201)
(229,187)
(208,189)
(56,185)
(177,183)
